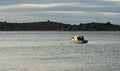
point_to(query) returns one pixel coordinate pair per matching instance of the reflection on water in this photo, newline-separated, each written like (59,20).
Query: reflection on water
(51,51)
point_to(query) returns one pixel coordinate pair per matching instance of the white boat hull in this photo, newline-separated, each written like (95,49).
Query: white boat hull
(79,42)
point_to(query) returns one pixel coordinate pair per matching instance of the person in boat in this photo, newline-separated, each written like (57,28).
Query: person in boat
(75,38)
(81,38)
(78,38)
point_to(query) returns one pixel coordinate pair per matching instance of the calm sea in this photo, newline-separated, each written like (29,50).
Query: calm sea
(52,51)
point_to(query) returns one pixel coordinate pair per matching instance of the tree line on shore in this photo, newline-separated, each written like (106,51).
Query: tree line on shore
(57,26)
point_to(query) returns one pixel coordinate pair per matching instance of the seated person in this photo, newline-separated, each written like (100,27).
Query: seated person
(80,38)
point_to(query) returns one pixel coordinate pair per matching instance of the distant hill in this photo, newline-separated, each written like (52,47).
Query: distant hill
(57,26)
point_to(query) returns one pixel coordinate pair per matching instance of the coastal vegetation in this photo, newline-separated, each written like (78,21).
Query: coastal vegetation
(57,26)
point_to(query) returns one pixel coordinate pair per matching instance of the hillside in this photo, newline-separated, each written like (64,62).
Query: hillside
(56,26)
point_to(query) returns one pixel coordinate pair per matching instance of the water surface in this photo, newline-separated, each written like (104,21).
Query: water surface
(52,51)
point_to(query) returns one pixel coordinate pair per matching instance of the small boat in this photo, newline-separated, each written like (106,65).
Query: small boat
(78,39)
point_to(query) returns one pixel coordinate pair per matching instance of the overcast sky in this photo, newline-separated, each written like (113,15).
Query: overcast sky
(66,11)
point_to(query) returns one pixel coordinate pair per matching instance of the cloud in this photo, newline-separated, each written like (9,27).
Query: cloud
(85,13)
(65,13)
(112,0)
(16,6)
(49,5)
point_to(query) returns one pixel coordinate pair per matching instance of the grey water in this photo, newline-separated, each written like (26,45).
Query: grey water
(52,51)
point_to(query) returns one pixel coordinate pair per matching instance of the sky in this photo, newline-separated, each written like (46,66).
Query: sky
(65,11)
